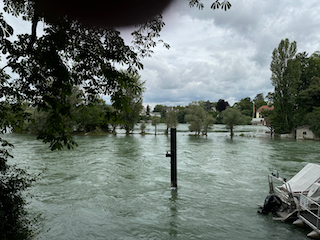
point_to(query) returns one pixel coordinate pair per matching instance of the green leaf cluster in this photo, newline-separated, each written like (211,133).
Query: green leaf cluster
(16,222)
(232,117)
(198,118)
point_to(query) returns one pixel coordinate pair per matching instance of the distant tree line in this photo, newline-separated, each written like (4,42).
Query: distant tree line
(212,108)
(201,115)
(97,117)
(93,116)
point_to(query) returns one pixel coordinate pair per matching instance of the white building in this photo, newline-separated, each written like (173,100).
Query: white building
(304,132)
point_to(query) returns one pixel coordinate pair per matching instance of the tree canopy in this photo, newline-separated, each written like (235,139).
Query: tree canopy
(222,105)
(232,117)
(198,117)
(295,77)
(195,117)
(285,78)
(245,105)
(46,67)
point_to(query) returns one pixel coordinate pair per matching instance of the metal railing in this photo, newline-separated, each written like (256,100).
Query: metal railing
(313,208)
(271,177)
(288,191)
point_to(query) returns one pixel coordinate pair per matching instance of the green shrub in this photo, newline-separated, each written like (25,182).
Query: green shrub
(15,221)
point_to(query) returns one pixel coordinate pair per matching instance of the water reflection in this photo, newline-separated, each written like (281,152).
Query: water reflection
(173,231)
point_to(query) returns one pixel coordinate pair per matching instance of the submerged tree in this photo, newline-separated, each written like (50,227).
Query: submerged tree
(232,117)
(198,118)
(208,124)
(195,117)
(171,119)
(155,121)
(143,127)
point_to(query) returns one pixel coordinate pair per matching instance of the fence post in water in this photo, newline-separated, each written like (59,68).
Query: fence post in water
(173,155)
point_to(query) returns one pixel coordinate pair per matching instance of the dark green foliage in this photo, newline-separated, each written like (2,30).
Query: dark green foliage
(134,100)
(208,106)
(182,111)
(245,105)
(285,78)
(259,101)
(66,55)
(161,109)
(148,111)
(313,119)
(15,221)
(222,105)
(297,88)
(310,97)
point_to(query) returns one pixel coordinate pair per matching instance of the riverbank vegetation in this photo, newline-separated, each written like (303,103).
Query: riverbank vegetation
(296,79)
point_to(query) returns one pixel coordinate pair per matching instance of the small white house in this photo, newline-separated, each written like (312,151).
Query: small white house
(304,132)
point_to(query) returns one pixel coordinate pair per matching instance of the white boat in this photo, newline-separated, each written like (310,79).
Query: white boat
(284,200)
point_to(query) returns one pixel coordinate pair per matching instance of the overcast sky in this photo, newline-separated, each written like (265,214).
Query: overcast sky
(217,54)
(225,55)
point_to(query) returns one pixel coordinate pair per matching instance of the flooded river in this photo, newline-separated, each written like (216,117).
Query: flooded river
(118,187)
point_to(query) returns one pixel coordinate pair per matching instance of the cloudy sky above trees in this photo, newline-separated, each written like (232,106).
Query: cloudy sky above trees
(225,55)
(217,54)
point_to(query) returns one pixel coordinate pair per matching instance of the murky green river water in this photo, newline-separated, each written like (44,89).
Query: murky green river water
(118,187)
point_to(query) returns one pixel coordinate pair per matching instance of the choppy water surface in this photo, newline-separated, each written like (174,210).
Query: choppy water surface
(118,187)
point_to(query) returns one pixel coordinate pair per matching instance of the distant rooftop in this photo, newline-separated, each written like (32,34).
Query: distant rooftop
(265,108)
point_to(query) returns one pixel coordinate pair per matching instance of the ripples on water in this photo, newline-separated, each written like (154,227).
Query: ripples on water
(118,187)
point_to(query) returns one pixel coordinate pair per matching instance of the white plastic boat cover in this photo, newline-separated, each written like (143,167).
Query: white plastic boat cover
(303,180)
(314,192)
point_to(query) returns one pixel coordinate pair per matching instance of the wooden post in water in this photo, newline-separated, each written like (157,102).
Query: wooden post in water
(173,155)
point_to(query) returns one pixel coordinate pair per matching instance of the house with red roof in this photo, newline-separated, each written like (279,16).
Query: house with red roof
(258,115)
(263,108)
